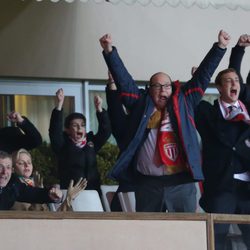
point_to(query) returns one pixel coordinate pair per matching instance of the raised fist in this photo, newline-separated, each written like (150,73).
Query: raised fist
(244,40)
(15,117)
(223,39)
(106,43)
(98,103)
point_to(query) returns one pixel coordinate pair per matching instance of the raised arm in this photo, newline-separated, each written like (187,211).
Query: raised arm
(104,126)
(235,62)
(98,103)
(124,81)
(60,99)
(237,54)
(31,137)
(195,88)
(56,123)
(118,116)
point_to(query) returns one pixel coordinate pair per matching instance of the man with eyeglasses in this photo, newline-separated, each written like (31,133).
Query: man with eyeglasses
(162,151)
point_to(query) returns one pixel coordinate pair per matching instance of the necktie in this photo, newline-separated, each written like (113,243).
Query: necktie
(233,108)
(235,113)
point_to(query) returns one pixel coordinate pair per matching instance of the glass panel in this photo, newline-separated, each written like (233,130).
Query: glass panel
(6,105)
(235,235)
(36,108)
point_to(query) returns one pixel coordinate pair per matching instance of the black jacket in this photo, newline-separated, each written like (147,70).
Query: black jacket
(17,191)
(236,59)
(74,162)
(225,144)
(225,148)
(24,136)
(118,118)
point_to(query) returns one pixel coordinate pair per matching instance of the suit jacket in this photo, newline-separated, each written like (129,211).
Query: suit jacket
(225,144)
(225,148)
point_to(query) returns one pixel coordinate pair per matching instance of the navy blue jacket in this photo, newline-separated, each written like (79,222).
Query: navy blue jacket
(180,107)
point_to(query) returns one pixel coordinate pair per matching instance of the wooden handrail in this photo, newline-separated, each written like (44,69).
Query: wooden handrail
(102,215)
(210,219)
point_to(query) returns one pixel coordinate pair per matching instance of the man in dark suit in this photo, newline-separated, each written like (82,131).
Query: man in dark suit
(225,133)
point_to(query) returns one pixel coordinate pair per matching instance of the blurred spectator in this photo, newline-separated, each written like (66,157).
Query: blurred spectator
(23,135)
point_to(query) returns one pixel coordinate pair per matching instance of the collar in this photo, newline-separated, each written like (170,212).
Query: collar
(225,104)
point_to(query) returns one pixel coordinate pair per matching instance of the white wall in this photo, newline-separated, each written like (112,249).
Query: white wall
(45,39)
(99,233)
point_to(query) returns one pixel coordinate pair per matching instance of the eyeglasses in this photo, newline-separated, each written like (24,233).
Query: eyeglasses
(158,86)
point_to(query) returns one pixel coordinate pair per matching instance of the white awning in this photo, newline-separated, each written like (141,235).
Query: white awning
(230,4)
